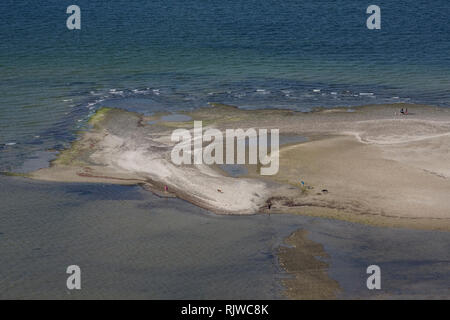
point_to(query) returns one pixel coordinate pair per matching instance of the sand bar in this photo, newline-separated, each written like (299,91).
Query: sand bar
(369,165)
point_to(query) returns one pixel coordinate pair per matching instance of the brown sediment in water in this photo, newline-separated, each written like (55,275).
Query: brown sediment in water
(305,261)
(370,165)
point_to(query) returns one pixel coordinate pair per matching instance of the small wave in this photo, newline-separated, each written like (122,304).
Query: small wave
(141,91)
(116,92)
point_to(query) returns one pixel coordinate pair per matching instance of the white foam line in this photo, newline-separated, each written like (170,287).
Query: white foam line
(357,135)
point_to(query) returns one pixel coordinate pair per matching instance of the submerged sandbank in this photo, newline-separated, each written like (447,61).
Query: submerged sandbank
(371,165)
(310,280)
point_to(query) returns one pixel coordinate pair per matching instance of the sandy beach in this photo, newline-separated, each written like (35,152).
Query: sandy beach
(367,164)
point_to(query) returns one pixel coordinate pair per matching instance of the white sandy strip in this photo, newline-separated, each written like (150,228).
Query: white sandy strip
(392,139)
(236,196)
(391,132)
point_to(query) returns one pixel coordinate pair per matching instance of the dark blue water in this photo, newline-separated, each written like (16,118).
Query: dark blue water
(172,55)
